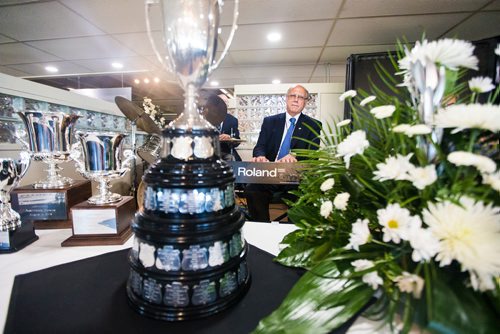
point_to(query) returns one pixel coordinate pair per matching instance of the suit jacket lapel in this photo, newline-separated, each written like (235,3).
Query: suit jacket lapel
(280,127)
(299,131)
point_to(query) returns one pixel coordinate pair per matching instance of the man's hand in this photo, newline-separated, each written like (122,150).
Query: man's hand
(287,158)
(224,136)
(260,159)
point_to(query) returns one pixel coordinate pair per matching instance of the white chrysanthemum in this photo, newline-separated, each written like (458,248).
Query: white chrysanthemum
(492,179)
(482,163)
(367,100)
(425,245)
(343,123)
(468,116)
(371,278)
(481,282)
(397,222)
(326,209)
(382,112)
(360,234)
(421,177)
(418,129)
(394,168)
(481,84)
(353,144)
(497,50)
(468,233)
(340,201)
(327,184)
(451,53)
(348,94)
(401,128)
(410,283)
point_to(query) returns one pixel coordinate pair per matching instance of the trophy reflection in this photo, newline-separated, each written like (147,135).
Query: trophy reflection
(49,140)
(101,162)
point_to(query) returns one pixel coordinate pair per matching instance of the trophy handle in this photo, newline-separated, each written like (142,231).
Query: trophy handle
(75,155)
(24,163)
(126,164)
(20,134)
(231,35)
(166,65)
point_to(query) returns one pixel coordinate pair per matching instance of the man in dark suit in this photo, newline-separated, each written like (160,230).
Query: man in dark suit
(278,135)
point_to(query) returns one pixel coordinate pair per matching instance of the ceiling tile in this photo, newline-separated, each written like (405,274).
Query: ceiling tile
(479,26)
(43,20)
(339,54)
(15,2)
(276,56)
(272,72)
(19,53)
(331,70)
(494,6)
(386,30)
(265,11)
(84,48)
(225,73)
(112,16)
(65,68)
(139,42)
(10,71)
(294,35)
(5,39)
(370,8)
(130,64)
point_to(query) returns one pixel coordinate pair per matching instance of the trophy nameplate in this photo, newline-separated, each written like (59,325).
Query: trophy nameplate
(13,241)
(49,208)
(106,224)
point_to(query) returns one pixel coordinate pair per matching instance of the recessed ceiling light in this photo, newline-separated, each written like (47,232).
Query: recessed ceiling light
(51,69)
(117,65)
(273,36)
(276,81)
(146,80)
(137,81)
(214,83)
(156,80)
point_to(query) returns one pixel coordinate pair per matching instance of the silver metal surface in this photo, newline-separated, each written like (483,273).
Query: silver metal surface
(49,140)
(11,171)
(150,151)
(101,162)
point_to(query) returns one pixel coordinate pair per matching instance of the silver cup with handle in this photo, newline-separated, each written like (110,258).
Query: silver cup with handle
(98,157)
(11,171)
(50,135)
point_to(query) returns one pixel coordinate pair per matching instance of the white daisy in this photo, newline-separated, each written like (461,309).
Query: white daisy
(360,234)
(410,283)
(421,177)
(401,128)
(481,84)
(481,282)
(467,116)
(367,100)
(371,278)
(381,112)
(397,222)
(482,163)
(425,245)
(492,179)
(343,123)
(418,129)
(340,201)
(327,184)
(353,144)
(348,94)
(468,233)
(326,209)
(394,168)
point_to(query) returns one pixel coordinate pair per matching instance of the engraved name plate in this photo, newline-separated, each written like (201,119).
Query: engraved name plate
(42,206)
(94,221)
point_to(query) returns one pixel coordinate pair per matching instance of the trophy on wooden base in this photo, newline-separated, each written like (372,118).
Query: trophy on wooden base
(104,219)
(14,234)
(189,257)
(47,203)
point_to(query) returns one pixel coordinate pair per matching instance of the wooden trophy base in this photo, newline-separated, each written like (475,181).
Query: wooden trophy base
(49,208)
(107,224)
(13,241)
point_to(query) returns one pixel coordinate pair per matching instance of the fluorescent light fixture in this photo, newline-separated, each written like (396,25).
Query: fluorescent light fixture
(51,69)
(117,65)
(276,81)
(273,36)
(214,83)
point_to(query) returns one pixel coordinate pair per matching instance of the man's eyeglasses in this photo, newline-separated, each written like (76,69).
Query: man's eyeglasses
(297,96)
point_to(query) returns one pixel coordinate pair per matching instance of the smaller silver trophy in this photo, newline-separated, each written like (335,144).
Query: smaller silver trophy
(11,171)
(101,162)
(49,140)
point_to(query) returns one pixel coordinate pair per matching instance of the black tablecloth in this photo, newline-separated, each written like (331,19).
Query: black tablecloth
(88,296)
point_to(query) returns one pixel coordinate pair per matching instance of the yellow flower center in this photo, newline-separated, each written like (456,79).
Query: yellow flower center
(393,223)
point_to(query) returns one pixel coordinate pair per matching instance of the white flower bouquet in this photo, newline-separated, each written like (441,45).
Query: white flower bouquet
(399,210)
(154,112)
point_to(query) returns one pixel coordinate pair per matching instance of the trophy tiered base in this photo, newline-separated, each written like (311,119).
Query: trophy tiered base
(13,241)
(107,224)
(49,208)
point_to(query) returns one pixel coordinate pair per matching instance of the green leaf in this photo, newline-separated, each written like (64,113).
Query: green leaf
(299,253)
(318,303)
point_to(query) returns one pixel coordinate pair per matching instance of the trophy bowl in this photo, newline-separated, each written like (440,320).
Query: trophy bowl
(49,140)
(101,162)
(11,171)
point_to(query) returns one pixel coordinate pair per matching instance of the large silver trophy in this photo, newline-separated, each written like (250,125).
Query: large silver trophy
(101,162)
(50,136)
(11,171)
(189,257)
